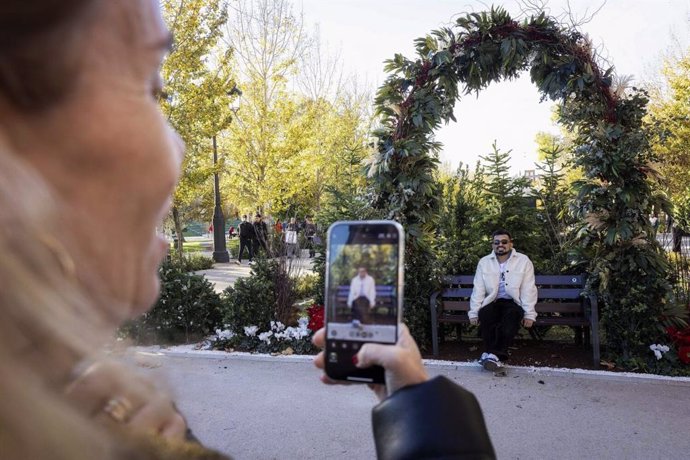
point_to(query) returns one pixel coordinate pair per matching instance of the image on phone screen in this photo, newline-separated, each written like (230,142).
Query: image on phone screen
(363,293)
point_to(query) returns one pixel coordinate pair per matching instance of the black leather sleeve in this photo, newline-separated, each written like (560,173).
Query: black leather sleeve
(436,419)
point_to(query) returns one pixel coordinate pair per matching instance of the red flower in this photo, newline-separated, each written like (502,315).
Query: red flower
(315,313)
(684,354)
(679,337)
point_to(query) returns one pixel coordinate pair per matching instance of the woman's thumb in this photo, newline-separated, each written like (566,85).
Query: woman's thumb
(372,354)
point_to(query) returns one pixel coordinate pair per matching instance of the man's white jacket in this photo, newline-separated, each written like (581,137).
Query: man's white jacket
(519,274)
(362,288)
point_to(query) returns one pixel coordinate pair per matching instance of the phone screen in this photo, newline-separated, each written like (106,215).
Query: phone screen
(363,293)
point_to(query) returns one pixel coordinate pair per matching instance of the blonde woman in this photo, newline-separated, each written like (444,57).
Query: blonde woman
(87,167)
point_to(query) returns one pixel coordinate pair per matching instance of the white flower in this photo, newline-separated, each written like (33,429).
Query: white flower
(224,334)
(277,326)
(303,322)
(250,331)
(659,350)
(291,333)
(266,336)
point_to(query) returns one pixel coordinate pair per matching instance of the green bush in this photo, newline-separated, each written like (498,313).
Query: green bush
(306,286)
(257,300)
(191,262)
(187,309)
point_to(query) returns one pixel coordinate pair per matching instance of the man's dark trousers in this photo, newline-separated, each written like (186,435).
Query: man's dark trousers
(360,309)
(246,243)
(499,322)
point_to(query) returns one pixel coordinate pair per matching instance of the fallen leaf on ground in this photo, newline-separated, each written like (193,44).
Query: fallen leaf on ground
(150,360)
(608,364)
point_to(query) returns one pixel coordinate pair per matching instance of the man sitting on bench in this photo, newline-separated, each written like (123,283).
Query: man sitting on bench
(504,295)
(362,296)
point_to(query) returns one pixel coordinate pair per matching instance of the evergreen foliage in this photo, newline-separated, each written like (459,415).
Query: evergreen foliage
(614,199)
(553,201)
(260,298)
(187,310)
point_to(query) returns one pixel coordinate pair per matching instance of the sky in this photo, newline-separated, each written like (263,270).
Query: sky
(633,35)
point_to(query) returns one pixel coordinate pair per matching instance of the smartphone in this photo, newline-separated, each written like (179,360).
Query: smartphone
(364,293)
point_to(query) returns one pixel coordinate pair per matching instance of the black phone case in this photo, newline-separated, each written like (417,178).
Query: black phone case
(339,351)
(345,369)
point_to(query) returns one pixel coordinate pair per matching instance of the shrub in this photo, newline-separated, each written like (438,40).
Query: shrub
(187,309)
(192,262)
(306,286)
(254,301)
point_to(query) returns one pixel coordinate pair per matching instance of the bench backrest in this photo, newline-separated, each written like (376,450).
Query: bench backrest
(384,294)
(556,293)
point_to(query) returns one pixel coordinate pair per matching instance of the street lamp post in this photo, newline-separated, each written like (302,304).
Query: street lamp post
(220,251)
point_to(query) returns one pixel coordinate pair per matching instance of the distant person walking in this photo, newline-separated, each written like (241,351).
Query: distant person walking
(310,233)
(676,234)
(247,237)
(261,230)
(291,237)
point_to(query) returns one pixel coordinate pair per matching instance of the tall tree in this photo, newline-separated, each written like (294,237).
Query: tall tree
(284,146)
(669,116)
(509,204)
(553,199)
(195,86)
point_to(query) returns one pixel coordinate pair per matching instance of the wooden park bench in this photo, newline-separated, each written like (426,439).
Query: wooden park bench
(561,301)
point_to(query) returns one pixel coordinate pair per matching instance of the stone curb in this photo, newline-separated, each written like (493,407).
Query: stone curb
(188,351)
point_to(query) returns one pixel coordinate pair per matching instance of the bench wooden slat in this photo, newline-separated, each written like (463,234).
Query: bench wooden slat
(562,321)
(560,280)
(456,305)
(461,317)
(558,307)
(458,279)
(457,292)
(549,293)
(547,307)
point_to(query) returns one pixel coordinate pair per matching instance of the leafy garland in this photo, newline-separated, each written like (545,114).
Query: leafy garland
(614,200)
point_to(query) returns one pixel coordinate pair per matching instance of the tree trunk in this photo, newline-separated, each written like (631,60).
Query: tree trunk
(178,231)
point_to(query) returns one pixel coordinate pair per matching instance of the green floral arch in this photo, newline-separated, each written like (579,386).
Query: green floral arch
(627,267)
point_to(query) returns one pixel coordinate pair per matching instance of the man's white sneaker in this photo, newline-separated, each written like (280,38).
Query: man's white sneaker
(492,363)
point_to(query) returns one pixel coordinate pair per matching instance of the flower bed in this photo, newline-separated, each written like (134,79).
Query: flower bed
(279,338)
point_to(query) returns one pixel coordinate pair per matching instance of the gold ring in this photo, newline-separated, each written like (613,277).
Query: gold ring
(119,409)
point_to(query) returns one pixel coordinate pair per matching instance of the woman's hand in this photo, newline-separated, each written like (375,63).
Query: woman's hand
(402,362)
(111,393)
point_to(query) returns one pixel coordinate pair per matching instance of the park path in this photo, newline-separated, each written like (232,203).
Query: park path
(225,274)
(261,407)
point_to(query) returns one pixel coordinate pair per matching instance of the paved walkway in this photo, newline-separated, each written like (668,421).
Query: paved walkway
(224,275)
(255,407)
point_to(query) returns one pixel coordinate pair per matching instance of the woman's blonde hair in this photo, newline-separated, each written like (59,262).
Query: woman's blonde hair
(48,324)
